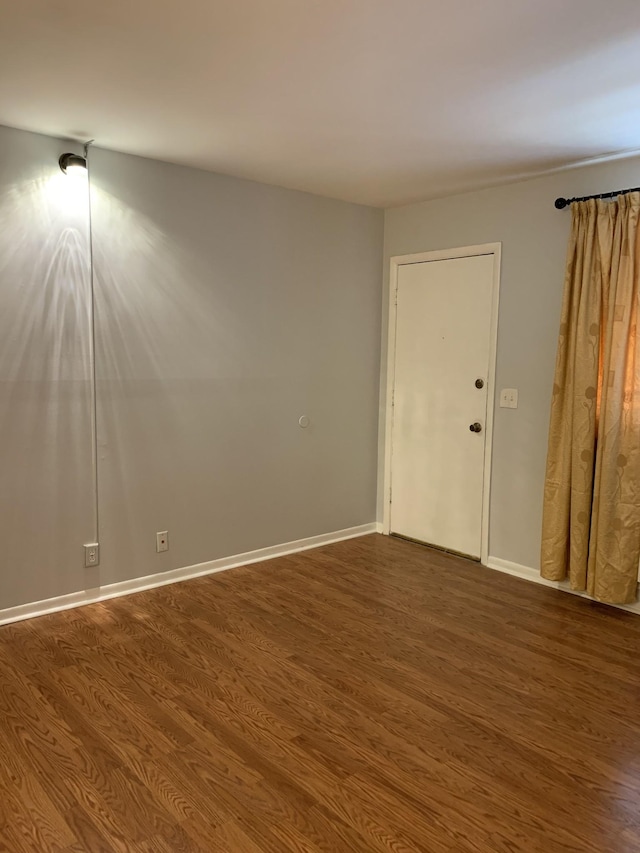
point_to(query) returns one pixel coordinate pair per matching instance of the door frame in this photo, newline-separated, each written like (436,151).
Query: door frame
(397,261)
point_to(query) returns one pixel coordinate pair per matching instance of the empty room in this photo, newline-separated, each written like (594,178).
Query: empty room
(319,426)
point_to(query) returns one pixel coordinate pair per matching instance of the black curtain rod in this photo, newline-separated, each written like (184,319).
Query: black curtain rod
(561,203)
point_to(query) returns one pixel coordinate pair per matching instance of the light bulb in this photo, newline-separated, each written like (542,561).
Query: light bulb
(73,165)
(76,171)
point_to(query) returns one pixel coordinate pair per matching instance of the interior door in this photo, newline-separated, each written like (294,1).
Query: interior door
(442,350)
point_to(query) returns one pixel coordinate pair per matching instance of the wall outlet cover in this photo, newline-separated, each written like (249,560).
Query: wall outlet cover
(162,541)
(91,555)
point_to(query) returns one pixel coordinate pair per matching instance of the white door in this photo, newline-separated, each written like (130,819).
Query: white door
(442,351)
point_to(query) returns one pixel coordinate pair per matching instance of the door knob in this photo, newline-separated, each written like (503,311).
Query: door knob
(476,427)
(479,383)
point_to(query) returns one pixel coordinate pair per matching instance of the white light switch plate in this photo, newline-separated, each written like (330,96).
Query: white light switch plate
(509,398)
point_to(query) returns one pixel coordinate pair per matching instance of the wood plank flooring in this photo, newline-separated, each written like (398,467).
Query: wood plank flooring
(371,695)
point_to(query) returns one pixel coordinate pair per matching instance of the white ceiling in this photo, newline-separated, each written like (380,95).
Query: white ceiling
(375,101)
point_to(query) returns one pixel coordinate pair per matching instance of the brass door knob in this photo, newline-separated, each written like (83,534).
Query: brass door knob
(476,427)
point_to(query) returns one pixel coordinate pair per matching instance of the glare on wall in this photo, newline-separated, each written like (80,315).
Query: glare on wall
(68,193)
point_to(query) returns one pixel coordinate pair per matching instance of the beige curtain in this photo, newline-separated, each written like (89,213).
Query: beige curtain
(591,519)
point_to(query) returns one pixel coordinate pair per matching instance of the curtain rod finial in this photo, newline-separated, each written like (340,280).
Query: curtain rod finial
(561,203)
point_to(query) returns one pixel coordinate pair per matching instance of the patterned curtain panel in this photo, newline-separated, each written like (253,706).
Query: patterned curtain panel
(591,519)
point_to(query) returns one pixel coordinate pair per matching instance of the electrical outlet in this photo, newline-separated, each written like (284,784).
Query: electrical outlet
(162,541)
(91,555)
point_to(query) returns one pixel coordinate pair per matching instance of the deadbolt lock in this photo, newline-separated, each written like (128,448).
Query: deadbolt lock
(479,383)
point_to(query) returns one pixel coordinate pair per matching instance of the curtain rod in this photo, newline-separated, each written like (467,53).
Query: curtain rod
(561,203)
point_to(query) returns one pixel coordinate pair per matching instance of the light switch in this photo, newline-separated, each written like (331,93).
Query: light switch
(509,398)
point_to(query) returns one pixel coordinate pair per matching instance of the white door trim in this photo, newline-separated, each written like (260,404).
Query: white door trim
(494,249)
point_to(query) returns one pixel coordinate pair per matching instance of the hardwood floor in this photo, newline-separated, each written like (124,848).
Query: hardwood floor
(371,695)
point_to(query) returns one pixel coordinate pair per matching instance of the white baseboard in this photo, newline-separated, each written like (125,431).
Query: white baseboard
(533,575)
(379,527)
(91,596)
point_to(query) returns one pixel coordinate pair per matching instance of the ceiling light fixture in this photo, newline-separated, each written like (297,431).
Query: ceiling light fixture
(74,164)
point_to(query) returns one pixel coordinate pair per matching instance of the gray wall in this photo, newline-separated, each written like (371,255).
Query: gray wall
(46,484)
(534,238)
(225,310)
